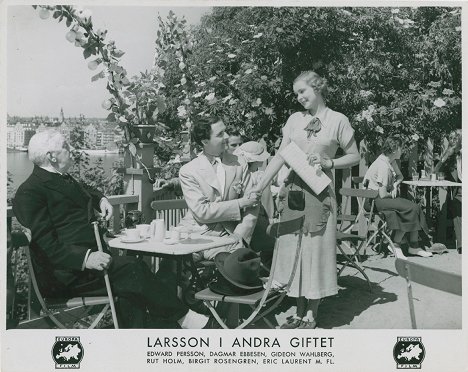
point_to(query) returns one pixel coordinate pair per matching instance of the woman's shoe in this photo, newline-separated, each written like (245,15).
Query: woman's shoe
(307,324)
(291,323)
(419,252)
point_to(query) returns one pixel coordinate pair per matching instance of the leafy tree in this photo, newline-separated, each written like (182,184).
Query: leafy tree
(391,70)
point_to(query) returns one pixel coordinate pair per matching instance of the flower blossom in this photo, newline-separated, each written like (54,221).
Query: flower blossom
(439,102)
(210,97)
(447,92)
(181,112)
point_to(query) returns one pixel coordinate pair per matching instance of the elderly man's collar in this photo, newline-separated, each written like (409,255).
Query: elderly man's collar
(50,169)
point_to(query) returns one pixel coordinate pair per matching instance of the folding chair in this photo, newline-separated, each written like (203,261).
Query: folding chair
(59,312)
(429,277)
(349,243)
(266,300)
(379,237)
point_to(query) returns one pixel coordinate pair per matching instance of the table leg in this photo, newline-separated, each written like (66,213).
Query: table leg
(179,261)
(442,216)
(428,199)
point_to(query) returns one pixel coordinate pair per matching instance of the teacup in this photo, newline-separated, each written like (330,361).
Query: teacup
(175,234)
(143,229)
(132,234)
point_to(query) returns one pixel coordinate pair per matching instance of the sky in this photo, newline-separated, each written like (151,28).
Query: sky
(45,72)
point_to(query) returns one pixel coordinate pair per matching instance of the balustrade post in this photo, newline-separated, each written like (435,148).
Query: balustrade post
(136,180)
(413,157)
(363,164)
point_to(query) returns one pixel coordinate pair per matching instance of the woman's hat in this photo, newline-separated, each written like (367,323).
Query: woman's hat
(240,268)
(252,151)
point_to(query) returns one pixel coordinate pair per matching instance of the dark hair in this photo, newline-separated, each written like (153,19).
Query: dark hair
(233,132)
(390,145)
(201,128)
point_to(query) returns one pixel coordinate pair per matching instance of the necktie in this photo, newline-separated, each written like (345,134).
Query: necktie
(220,174)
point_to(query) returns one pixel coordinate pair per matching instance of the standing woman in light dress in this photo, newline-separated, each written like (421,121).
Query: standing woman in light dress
(318,131)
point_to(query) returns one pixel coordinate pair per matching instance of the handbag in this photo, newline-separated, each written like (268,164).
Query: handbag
(296,199)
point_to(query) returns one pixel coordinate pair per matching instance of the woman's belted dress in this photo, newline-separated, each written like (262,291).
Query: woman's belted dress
(316,274)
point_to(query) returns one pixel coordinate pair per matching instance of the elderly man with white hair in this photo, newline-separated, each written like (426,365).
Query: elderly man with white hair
(59,211)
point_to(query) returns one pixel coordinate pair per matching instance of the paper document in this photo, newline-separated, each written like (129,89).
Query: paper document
(314,177)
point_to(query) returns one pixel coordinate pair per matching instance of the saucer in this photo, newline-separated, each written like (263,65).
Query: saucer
(124,239)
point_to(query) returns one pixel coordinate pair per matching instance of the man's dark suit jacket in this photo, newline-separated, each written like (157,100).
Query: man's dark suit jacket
(59,214)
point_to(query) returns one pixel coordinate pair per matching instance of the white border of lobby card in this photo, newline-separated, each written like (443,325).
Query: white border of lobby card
(123,350)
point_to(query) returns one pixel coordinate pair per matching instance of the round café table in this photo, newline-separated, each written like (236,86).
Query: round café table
(180,251)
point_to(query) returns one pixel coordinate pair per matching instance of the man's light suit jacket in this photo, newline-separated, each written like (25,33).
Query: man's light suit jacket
(208,208)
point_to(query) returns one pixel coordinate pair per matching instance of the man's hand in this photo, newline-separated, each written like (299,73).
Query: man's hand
(239,243)
(98,261)
(106,209)
(250,200)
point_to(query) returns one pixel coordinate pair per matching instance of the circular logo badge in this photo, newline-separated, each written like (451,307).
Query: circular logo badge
(67,352)
(409,352)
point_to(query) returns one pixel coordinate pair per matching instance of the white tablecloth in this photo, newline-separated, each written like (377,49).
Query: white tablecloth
(197,243)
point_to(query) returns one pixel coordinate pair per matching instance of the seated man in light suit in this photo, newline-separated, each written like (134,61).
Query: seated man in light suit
(216,187)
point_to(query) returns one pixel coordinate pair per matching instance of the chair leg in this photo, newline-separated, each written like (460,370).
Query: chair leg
(350,262)
(411,304)
(99,317)
(215,314)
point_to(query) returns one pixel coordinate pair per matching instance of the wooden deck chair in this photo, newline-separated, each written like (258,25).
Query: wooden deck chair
(58,312)
(353,237)
(264,302)
(429,277)
(172,211)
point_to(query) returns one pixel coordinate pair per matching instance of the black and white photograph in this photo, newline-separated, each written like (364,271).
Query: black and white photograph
(213,185)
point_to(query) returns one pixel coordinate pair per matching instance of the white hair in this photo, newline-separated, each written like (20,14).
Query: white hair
(42,143)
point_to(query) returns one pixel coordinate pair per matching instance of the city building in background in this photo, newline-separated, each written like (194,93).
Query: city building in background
(95,134)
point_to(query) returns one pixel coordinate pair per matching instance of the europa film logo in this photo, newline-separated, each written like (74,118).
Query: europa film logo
(409,352)
(67,352)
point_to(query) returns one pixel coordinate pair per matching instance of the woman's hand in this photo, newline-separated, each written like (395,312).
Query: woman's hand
(396,190)
(318,159)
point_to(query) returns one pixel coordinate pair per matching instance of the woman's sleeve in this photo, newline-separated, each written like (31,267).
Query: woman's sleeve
(383,176)
(345,133)
(287,132)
